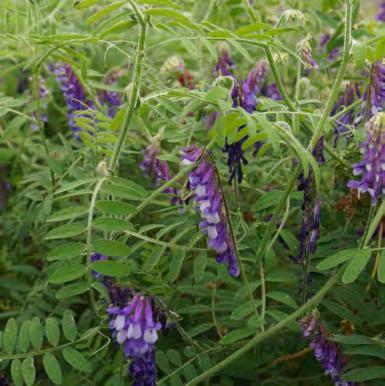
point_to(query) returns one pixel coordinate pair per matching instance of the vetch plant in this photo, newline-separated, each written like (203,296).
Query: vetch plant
(200,201)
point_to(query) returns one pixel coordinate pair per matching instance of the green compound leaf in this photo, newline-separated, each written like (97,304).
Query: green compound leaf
(24,340)
(72,290)
(111,268)
(64,231)
(111,248)
(36,333)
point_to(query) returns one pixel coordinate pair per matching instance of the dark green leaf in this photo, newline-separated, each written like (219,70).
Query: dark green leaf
(16,372)
(112,224)
(365,374)
(67,273)
(71,290)
(66,251)
(337,259)
(24,340)
(381,268)
(69,326)
(28,371)
(10,336)
(111,268)
(52,368)
(64,231)
(356,265)
(111,248)
(236,335)
(115,208)
(52,331)
(36,333)
(68,213)
(76,360)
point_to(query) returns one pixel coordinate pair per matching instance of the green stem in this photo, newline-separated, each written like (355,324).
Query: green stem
(134,93)
(257,339)
(253,16)
(340,75)
(263,295)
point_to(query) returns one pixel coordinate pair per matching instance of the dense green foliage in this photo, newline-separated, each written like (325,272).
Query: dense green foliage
(63,198)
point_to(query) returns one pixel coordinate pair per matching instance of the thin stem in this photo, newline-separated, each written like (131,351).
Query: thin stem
(253,16)
(306,267)
(259,338)
(134,93)
(340,75)
(277,79)
(376,262)
(263,295)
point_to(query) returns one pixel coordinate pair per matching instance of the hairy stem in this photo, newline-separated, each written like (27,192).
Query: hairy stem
(134,95)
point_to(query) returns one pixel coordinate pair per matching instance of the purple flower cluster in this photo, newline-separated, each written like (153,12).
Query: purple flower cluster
(225,64)
(73,93)
(325,351)
(347,119)
(111,98)
(381,12)
(310,209)
(372,166)
(134,323)
(208,198)
(153,166)
(377,90)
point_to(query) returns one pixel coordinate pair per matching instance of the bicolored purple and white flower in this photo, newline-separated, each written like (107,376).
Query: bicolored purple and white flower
(371,168)
(208,199)
(133,325)
(73,93)
(325,351)
(377,89)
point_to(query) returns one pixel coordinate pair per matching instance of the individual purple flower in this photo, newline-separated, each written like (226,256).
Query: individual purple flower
(135,327)
(325,38)
(334,52)
(224,64)
(271,91)
(381,12)
(73,93)
(372,166)
(207,195)
(325,351)
(111,98)
(153,166)
(347,119)
(304,49)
